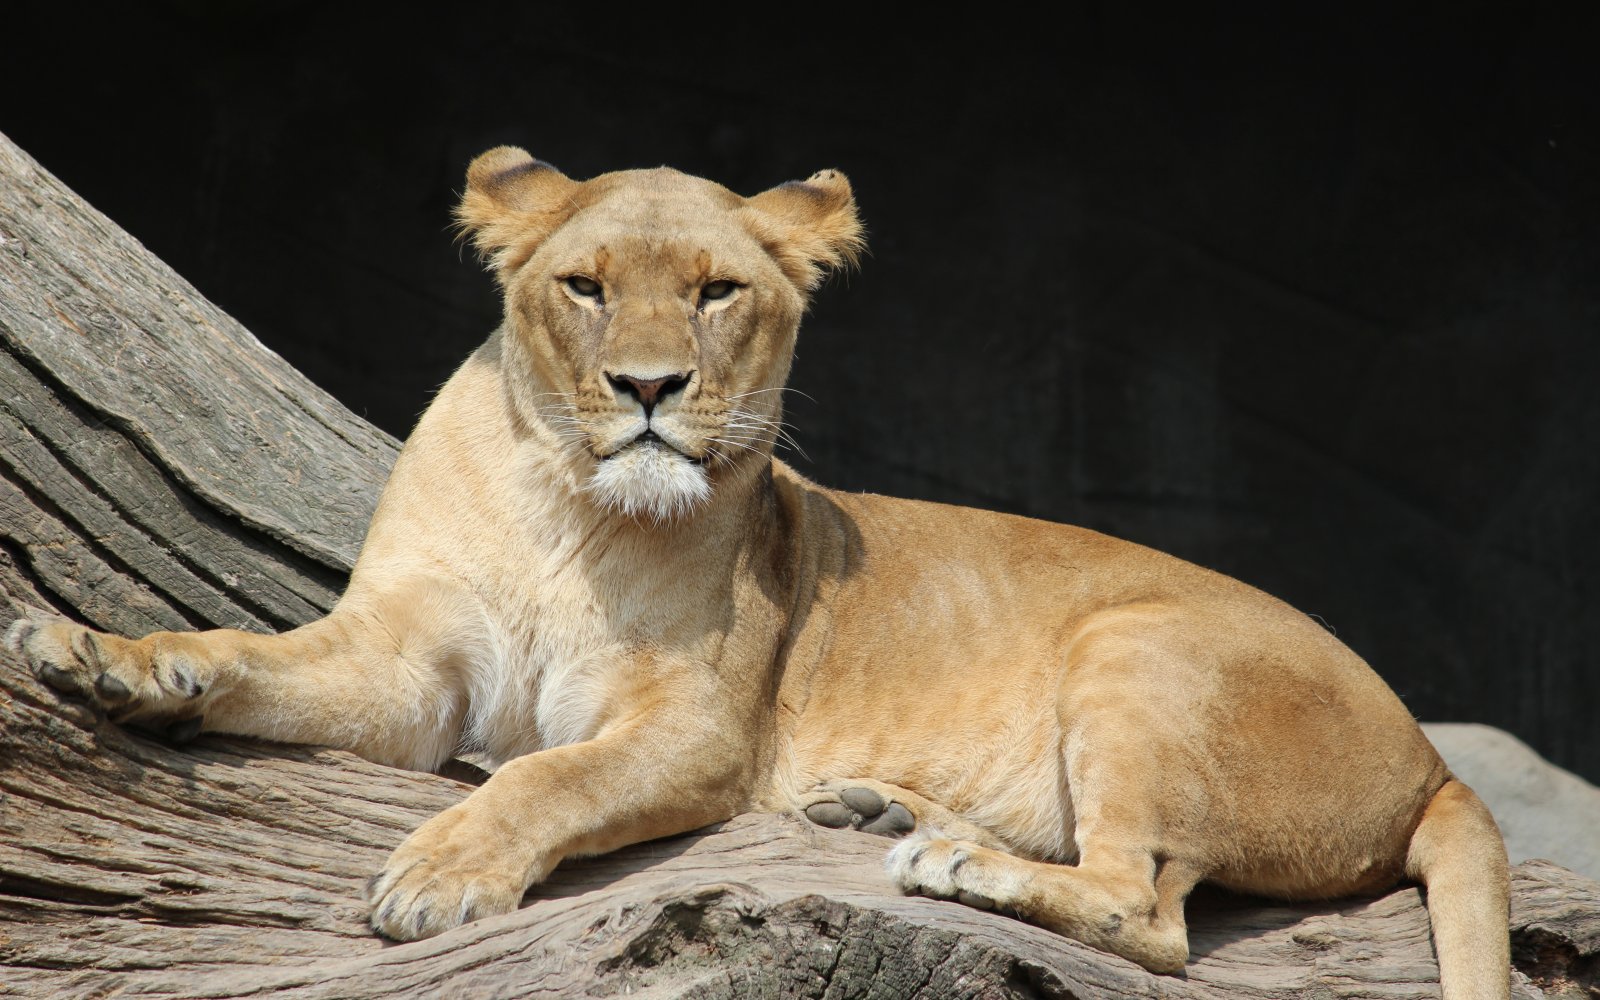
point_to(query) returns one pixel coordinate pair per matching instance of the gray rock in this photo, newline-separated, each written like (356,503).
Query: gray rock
(1543,810)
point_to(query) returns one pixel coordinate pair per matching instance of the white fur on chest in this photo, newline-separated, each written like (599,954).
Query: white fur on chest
(536,688)
(554,645)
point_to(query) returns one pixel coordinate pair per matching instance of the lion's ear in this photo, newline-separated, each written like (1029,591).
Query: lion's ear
(810,227)
(513,203)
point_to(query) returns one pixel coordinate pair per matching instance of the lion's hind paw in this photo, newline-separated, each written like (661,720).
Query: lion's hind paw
(960,871)
(851,805)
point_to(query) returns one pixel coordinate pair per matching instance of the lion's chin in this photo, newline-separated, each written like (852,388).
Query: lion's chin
(650,480)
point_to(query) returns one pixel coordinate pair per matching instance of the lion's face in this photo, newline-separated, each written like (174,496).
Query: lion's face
(653,315)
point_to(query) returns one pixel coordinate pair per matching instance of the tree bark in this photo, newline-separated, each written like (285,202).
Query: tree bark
(160,469)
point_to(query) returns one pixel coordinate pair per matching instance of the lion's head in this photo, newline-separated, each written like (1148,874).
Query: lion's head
(651,316)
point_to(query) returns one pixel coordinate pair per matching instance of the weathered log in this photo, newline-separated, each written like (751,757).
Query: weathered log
(160,469)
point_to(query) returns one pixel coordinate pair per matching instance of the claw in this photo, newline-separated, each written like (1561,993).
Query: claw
(184,681)
(384,916)
(110,688)
(58,680)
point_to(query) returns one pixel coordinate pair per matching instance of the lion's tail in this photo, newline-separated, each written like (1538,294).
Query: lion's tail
(1457,853)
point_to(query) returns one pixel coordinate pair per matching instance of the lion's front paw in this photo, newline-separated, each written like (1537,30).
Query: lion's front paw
(452,870)
(133,680)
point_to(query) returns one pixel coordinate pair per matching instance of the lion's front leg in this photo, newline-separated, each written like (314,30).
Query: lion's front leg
(664,771)
(375,677)
(148,680)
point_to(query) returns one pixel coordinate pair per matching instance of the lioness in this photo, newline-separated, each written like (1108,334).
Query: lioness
(588,566)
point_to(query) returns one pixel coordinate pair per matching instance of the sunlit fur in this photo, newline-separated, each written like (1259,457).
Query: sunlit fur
(648,640)
(650,481)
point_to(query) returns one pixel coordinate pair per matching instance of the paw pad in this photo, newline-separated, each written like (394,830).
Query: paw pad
(863,809)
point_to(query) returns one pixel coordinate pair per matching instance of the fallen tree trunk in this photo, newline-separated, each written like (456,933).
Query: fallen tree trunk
(160,469)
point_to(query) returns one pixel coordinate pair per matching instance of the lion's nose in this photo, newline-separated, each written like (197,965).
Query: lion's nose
(648,391)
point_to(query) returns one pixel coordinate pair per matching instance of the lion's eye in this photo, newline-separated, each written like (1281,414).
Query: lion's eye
(585,287)
(715,290)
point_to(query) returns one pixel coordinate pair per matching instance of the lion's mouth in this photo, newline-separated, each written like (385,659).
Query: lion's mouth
(649,439)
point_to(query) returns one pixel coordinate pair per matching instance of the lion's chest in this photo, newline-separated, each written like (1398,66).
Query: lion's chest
(560,643)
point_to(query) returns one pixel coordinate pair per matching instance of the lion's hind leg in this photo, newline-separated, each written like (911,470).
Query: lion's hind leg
(1126,753)
(1127,904)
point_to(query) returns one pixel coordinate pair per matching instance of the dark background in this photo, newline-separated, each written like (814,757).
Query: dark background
(1315,303)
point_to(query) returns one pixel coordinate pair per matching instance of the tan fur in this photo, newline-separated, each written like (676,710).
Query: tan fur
(656,644)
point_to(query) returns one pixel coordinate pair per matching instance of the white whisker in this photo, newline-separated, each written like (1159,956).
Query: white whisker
(741,419)
(781,388)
